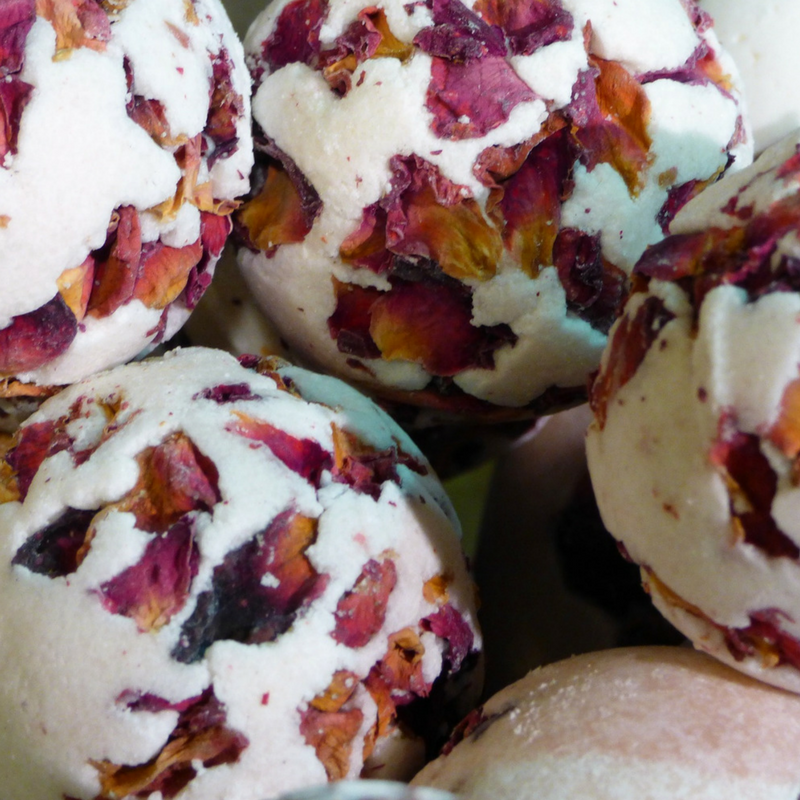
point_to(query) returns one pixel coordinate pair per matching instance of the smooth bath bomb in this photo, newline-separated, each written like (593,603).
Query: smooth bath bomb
(694,446)
(649,723)
(125,137)
(223,582)
(761,36)
(449,196)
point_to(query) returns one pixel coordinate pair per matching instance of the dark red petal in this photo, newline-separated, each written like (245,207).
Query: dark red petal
(55,550)
(594,287)
(16,20)
(361,611)
(304,456)
(154,589)
(448,624)
(201,739)
(258,590)
(752,484)
(14,96)
(528,24)
(468,100)
(33,339)
(295,37)
(117,264)
(628,346)
(459,34)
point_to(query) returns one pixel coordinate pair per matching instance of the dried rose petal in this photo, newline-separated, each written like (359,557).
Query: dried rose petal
(277,214)
(369,36)
(331,734)
(56,551)
(610,111)
(164,272)
(304,456)
(431,323)
(225,109)
(16,19)
(156,588)
(752,484)
(468,100)
(201,737)
(430,216)
(594,287)
(35,443)
(78,23)
(528,24)
(626,350)
(361,610)
(257,591)
(296,34)
(117,264)
(459,34)
(528,208)
(14,96)
(174,479)
(448,624)
(37,337)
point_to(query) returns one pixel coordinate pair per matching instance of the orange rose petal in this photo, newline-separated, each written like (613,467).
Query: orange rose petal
(164,272)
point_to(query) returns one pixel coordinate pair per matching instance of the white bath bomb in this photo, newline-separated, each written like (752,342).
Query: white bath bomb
(648,723)
(761,36)
(222,582)
(449,196)
(124,139)
(693,449)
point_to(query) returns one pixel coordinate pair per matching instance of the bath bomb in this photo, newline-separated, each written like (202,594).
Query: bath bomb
(761,36)
(651,723)
(369,790)
(222,582)
(449,196)
(124,140)
(694,444)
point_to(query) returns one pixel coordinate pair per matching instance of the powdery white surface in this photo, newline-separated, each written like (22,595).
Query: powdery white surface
(725,367)
(347,143)
(61,711)
(369,790)
(80,156)
(646,723)
(761,35)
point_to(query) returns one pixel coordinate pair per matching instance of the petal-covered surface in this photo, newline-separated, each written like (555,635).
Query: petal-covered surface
(217,611)
(201,739)
(126,289)
(499,144)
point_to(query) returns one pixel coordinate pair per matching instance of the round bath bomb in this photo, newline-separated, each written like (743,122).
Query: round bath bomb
(221,582)
(369,790)
(694,445)
(124,139)
(449,197)
(761,36)
(650,723)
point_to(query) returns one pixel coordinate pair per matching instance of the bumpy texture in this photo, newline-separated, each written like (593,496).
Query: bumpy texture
(761,36)
(695,443)
(649,723)
(222,582)
(369,790)
(124,139)
(449,197)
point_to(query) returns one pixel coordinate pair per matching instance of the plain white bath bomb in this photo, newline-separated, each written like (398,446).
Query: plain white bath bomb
(450,196)
(126,139)
(223,582)
(648,723)
(694,444)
